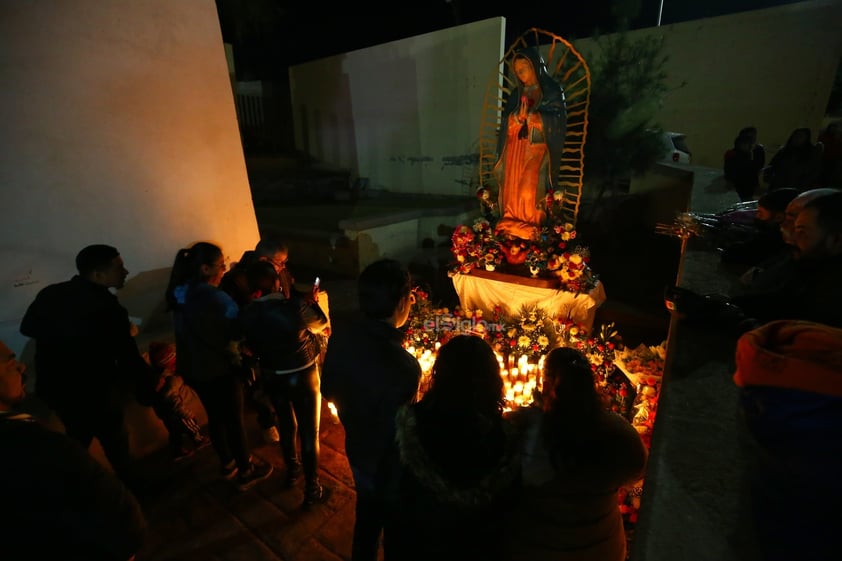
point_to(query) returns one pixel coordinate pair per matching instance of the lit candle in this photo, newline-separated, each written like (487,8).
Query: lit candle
(333,410)
(510,395)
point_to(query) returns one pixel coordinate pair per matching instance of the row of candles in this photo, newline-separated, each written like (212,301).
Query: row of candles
(521,378)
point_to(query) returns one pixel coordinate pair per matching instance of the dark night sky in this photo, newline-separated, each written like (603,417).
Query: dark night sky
(303,31)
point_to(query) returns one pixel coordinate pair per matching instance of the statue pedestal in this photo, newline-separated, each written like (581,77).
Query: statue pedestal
(515,279)
(484,290)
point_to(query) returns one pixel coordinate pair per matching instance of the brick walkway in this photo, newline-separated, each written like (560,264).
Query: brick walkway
(193,514)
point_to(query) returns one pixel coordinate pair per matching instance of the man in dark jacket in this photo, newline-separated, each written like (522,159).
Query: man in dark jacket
(280,333)
(368,375)
(810,288)
(86,359)
(57,501)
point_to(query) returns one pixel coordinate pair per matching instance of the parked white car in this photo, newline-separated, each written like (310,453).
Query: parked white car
(675,148)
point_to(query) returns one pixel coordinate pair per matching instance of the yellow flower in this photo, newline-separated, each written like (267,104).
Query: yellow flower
(523,341)
(574,330)
(543,341)
(565,236)
(576,259)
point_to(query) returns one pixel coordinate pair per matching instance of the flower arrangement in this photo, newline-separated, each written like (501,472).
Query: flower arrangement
(537,257)
(475,246)
(428,327)
(466,249)
(417,334)
(531,334)
(644,366)
(554,251)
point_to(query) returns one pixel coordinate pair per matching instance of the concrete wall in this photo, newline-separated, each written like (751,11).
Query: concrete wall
(404,114)
(119,127)
(397,112)
(771,68)
(399,236)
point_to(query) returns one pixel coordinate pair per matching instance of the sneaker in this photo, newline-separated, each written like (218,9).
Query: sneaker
(229,470)
(293,474)
(255,472)
(313,495)
(271,435)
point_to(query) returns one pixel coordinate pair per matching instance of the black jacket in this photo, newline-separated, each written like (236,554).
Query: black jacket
(368,375)
(80,324)
(458,478)
(280,332)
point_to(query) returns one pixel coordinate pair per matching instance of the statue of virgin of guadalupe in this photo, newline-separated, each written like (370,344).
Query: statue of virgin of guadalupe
(529,147)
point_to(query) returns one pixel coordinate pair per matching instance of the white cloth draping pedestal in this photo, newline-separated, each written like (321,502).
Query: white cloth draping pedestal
(477,293)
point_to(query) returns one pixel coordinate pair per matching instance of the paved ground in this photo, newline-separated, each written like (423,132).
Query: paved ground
(194,515)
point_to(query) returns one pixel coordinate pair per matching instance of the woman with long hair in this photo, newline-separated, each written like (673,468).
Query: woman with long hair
(207,333)
(458,460)
(575,456)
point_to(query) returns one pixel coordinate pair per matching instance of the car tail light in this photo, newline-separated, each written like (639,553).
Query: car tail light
(675,156)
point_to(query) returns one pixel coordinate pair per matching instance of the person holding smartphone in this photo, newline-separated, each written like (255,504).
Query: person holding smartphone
(282,333)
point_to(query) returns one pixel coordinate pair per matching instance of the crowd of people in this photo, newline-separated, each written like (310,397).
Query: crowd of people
(800,164)
(452,460)
(258,338)
(789,350)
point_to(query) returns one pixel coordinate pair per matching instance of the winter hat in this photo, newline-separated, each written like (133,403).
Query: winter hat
(798,355)
(162,355)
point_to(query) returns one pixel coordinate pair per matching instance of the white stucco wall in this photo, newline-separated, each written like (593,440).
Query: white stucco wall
(404,114)
(771,68)
(119,127)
